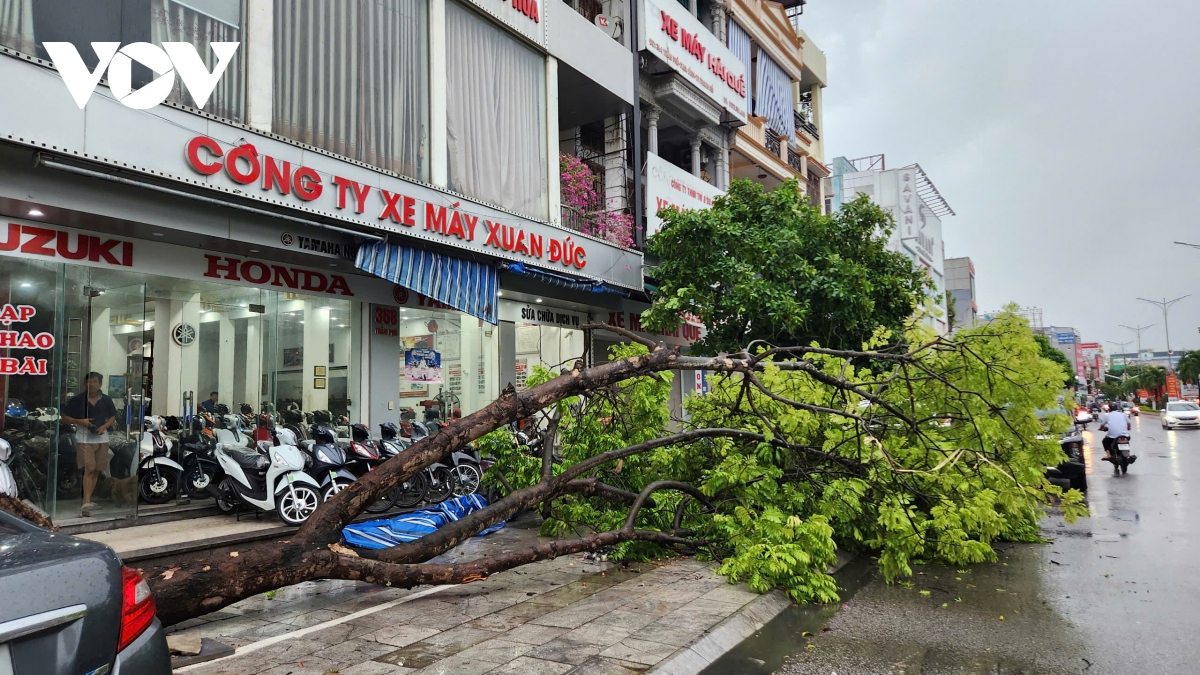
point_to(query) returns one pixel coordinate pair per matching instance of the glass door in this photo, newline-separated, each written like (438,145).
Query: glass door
(102,384)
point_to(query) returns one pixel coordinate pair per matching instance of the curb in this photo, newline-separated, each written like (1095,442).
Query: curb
(724,636)
(731,632)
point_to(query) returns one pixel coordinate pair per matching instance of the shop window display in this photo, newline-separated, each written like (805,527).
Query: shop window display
(447,365)
(159,347)
(552,347)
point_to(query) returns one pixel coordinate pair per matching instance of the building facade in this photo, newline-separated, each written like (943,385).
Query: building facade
(960,284)
(358,211)
(917,207)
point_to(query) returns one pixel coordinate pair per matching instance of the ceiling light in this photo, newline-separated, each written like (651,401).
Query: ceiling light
(36,212)
(403,309)
(26,284)
(333,264)
(157,234)
(500,293)
(538,300)
(342,325)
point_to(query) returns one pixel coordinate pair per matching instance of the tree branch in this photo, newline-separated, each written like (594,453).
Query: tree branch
(661,485)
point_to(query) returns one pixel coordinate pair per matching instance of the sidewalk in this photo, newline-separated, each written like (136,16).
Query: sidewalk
(552,617)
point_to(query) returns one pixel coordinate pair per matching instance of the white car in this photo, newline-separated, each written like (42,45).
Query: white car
(1181,414)
(1083,416)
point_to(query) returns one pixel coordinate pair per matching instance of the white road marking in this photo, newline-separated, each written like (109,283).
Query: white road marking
(255,646)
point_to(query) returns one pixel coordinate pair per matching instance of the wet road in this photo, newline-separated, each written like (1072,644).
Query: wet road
(1115,593)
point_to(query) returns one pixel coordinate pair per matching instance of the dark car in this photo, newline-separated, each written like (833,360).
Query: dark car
(70,608)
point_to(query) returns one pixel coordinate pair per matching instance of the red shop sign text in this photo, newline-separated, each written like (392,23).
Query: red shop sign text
(262,274)
(52,243)
(21,339)
(244,165)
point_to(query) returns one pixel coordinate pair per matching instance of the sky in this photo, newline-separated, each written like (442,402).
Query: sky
(1065,134)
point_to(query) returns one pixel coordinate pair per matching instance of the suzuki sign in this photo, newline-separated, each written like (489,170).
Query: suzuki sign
(165,61)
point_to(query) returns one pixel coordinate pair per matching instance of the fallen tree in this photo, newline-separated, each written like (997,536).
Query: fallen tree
(896,443)
(929,452)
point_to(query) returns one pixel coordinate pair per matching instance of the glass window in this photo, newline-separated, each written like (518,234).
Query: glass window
(352,77)
(496,119)
(26,24)
(550,346)
(447,364)
(1180,407)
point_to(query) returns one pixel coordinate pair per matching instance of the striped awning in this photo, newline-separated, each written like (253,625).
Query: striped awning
(739,43)
(467,286)
(773,100)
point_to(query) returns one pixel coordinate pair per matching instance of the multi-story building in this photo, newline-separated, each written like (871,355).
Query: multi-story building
(960,284)
(728,89)
(917,206)
(354,207)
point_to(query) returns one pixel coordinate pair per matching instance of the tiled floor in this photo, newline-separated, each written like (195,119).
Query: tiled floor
(557,616)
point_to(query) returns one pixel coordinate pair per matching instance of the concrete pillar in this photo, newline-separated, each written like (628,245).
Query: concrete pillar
(616,140)
(695,141)
(253,393)
(470,351)
(316,353)
(717,10)
(553,174)
(225,375)
(439,154)
(258,54)
(176,367)
(651,113)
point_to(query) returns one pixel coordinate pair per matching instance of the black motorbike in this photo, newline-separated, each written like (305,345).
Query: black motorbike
(413,491)
(440,477)
(197,450)
(328,465)
(1120,454)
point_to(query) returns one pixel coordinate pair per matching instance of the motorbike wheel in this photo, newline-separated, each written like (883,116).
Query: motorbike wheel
(157,486)
(441,485)
(384,503)
(196,481)
(339,483)
(466,479)
(411,492)
(296,503)
(68,481)
(228,500)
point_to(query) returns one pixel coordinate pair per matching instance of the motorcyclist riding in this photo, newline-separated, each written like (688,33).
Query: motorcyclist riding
(1115,424)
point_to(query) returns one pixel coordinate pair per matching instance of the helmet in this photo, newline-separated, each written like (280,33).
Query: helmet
(322,434)
(388,430)
(247,409)
(360,432)
(222,409)
(264,420)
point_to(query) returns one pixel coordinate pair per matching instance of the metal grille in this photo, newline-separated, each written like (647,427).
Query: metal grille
(771,140)
(794,160)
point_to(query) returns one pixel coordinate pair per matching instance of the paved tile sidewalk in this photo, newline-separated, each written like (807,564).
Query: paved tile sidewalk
(568,615)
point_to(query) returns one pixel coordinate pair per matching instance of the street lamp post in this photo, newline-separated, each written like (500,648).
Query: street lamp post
(1124,364)
(1138,329)
(1165,305)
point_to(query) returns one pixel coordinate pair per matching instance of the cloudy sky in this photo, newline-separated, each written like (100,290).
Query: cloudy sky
(1064,133)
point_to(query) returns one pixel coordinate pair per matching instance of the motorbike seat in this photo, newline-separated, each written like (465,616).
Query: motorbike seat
(248,459)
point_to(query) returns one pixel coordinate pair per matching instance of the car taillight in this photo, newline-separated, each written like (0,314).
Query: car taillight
(137,607)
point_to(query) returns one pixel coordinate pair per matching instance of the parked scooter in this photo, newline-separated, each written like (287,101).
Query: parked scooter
(411,492)
(465,463)
(1073,472)
(231,432)
(365,455)
(328,462)
(439,476)
(270,477)
(8,482)
(198,458)
(158,474)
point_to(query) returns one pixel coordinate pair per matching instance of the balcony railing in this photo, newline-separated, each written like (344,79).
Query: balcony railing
(587,8)
(795,161)
(804,125)
(771,141)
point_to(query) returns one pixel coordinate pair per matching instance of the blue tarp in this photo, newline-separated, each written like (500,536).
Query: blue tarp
(388,532)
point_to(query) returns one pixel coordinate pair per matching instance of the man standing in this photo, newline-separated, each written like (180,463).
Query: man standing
(211,404)
(93,413)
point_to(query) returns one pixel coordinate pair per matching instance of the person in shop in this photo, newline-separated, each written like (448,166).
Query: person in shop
(93,414)
(211,404)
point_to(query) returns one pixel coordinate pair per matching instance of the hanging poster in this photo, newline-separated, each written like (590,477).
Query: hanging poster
(423,366)
(449,344)
(529,339)
(482,389)
(454,378)
(522,374)
(416,342)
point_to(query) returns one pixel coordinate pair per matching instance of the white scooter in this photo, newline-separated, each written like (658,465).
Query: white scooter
(157,473)
(230,433)
(271,477)
(8,483)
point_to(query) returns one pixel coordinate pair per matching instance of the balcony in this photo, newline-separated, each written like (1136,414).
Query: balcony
(804,125)
(795,160)
(771,141)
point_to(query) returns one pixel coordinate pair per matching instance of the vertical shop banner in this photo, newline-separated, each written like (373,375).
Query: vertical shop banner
(455,377)
(668,185)
(522,371)
(423,366)
(701,383)
(1172,386)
